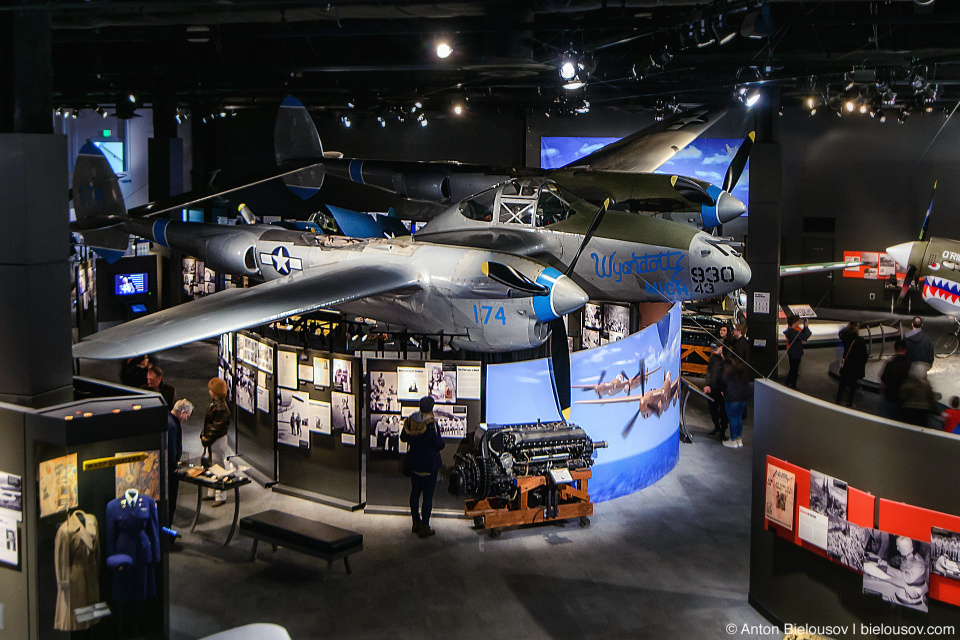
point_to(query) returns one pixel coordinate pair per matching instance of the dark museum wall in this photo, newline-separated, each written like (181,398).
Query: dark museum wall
(869,182)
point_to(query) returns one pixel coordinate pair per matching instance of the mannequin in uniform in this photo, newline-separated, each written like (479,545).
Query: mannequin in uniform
(133,529)
(77,559)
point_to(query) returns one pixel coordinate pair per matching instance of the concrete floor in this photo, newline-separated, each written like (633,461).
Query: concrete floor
(668,562)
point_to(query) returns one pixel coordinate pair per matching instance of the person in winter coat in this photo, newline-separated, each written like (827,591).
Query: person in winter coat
(796,336)
(741,344)
(919,344)
(854,363)
(917,400)
(737,390)
(215,426)
(423,463)
(711,387)
(895,371)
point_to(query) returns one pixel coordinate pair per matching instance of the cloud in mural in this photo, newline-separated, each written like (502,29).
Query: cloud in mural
(712,176)
(717,158)
(587,149)
(549,153)
(687,153)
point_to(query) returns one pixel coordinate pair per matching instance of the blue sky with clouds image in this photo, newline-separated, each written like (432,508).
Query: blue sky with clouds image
(704,158)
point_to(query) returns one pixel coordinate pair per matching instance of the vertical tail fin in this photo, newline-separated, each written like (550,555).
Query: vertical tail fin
(96,195)
(295,137)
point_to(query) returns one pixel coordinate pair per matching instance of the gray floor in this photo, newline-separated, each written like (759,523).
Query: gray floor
(668,562)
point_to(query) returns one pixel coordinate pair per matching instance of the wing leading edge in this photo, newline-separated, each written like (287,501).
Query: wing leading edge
(237,309)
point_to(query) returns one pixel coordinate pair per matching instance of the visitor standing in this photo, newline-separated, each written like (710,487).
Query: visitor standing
(712,388)
(891,378)
(423,463)
(796,336)
(853,365)
(919,344)
(215,426)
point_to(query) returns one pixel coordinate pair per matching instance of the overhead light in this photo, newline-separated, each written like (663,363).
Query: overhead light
(132,99)
(383,123)
(659,111)
(569,64)
(74,114)
(850,106)
(101,112)
(702,36)
(458,109)
(418,104)
(345,120)
(883,116)
(59,111)
(582,107)
(350,104)
(422,119)
(723,33)
(863,108)
(813,111)
(444,49)
(749,96)
(198,33)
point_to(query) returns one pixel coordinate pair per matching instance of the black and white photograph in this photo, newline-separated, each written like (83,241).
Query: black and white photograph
(264,357)
(383,392)
(847,542)
(342,375)
(385,432)
(828,495)
(616,322)
(11,496)
(321,372)
(9,542)
(451,421)
(945,553)
(287,369)
(442,382)
(411,383)
(592,316)
(293,413)
(898,571)
(590,338)
(246,388)
(319,416)
(343,412)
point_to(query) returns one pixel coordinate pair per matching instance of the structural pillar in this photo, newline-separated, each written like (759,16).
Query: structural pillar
(165,179)
(763,235)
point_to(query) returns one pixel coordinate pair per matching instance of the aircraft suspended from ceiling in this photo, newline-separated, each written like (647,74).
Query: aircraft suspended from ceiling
(496,272)
(934,264)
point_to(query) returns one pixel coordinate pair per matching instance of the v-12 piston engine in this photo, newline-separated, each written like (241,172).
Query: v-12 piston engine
(507,452)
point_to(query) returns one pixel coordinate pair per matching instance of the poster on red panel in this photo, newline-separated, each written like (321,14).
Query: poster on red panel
(781,495)
(945,553)
(879,266)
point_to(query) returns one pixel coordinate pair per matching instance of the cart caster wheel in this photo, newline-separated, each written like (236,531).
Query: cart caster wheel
(494,533)
(584,521)
(478,522)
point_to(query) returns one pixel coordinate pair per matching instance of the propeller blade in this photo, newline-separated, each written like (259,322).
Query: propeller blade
(926,219)
(735,170)
(907,279)
(692,191)
(586,238)
(643,377)
(510,277)
(626,429)
(560,365)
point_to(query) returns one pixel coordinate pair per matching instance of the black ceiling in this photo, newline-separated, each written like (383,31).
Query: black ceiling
(379,56)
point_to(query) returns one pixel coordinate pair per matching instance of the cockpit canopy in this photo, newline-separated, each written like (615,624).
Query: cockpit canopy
(532,202)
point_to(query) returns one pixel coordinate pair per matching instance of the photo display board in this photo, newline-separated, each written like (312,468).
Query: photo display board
(252,387)
(394,389)
(879,266)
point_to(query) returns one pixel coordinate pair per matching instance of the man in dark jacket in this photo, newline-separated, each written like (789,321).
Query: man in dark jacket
(795,339)
(155,383)
(711,387)
(919,344)
(178,414)
(853,365)
(892,377)
(741,344)
(423,462)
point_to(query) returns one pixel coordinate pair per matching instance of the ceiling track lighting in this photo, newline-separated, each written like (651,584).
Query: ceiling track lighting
(345,121)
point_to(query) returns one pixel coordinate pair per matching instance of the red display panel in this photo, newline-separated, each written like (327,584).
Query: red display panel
(915,522)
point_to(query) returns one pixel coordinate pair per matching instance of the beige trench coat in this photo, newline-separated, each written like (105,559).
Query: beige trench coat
(77,558)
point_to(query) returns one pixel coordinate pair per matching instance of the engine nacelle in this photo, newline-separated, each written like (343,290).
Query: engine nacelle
(505,453)
(434,187)
(230,249)
(236,255)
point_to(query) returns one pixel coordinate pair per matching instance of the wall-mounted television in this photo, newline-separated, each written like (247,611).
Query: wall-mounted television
(128,284)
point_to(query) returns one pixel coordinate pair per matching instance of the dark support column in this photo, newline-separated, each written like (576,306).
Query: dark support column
(165,179)
(763,235)
(26,72)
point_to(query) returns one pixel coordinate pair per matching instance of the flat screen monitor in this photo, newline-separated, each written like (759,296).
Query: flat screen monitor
(138,308)
(128,284)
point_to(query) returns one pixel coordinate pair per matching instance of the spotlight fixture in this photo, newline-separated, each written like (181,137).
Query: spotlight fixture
(422,120)
(722,32)
(569,64)
(131,98)
(383,123)
(659,111)
(444,49)
(345,121)
(458,109)
(59,111)
(882,117)
(749,96)
(702,36)
(863,108)
(101,112)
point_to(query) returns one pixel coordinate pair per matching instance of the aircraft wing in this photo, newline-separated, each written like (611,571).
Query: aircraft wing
(237,309)
(647,149)
(817,267)
(610,400)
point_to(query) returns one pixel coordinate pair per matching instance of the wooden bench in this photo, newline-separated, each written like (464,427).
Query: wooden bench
(300,534)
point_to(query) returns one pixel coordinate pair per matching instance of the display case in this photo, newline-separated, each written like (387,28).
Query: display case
(88,559)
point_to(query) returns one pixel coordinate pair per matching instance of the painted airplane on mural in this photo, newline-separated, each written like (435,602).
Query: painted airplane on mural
(651,403)
(934,264)
(493,273)
(620,383)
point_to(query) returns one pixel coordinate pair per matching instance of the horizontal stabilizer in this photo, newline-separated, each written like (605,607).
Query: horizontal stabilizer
(237,309)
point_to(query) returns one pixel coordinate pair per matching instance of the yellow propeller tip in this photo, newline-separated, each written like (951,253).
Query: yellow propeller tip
(753,136)
(566,413)
(485,268)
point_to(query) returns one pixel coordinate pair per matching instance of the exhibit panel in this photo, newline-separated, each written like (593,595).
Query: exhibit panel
(253,387)
(850,514)
(318,427)
(393,390)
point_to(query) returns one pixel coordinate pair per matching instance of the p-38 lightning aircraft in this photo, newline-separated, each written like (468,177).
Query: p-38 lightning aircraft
(620,383)
(651,403)
(493,273)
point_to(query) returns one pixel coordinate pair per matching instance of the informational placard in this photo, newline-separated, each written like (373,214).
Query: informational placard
(321,372)
(11,496)
(468,382)
(319,416)
(451,421)
(264,357)
(286,369)
(781,492)
(9,542)
(879,266)
(761,302)
(246,389)
(412,383)
(305,372)
(58,485)
(812,527)
(802,310)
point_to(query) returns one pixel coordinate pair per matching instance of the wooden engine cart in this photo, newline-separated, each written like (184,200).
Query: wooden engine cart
(542,498)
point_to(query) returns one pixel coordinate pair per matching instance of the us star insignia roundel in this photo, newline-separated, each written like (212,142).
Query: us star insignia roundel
(281,260)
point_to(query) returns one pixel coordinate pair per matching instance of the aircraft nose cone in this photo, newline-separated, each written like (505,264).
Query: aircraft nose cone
(901,253)
(729,207)
(741,273)
(566,296)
